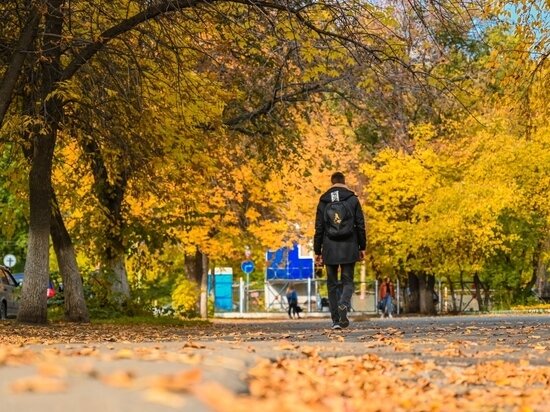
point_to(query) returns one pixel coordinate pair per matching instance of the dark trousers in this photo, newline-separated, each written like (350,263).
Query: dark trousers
(335,296)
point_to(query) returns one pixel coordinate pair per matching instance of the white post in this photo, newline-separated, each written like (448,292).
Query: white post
(241,295)
(247,294)
(440,297)
(376,296)
(363,286)
(309,294)
(445,297)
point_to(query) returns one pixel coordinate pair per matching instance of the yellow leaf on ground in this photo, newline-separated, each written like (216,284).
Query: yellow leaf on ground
(119,379)
(38,384)
(164,397)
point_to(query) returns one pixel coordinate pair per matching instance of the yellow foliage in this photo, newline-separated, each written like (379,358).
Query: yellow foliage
(185,297)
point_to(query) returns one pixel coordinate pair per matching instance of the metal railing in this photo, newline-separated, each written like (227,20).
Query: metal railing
(270,296)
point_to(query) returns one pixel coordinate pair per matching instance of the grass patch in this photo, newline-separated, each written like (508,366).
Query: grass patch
(150,320)
(537,306)
(56,315)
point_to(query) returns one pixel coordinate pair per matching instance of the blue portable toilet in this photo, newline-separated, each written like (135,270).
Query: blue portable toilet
(222,285)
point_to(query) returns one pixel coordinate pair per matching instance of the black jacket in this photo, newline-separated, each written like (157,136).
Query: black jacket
(342,251)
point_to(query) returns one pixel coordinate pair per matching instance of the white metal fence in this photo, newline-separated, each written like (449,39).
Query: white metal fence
(270,296)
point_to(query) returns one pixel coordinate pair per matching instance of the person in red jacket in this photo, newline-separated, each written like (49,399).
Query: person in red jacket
(386,294)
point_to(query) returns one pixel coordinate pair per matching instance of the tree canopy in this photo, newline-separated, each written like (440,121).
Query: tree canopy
(173,129)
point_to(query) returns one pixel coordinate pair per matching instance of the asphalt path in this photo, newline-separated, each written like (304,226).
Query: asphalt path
(226,350)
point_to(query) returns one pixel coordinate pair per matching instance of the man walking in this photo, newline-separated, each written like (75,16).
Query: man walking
(340,241)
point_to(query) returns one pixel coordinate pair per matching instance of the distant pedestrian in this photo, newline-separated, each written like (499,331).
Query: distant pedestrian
(340,241)
(292,298)
(386,294)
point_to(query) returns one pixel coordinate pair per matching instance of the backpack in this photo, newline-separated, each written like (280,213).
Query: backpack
(339,219)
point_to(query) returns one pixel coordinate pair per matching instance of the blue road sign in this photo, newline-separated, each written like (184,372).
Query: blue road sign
(247,266)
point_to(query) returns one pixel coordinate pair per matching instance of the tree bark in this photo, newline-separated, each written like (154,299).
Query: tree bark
(543,281)
(111,197)
(33,307)
(117,269)
(414,293)
(193,266)
(196,270)
(461,301)
(478,286)
(203,301)
(452,292)
(536,265)
(75,304)
(430,283)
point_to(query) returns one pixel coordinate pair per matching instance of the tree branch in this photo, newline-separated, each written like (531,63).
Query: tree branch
(168,6)
(124,26)
(11,76)
(270,104)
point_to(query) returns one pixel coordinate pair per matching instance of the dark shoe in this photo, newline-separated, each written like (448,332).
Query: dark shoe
(343,312)
(336,326)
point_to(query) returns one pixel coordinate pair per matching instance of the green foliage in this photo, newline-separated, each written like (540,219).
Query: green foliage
(13,206)
(151,320)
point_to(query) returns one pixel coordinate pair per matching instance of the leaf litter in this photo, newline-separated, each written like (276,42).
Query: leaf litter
(428,374)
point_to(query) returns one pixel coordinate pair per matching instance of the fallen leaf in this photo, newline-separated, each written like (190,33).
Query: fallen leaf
(193,345)
(38,384)
(51,369)
(178,382)
(119,379)
(124,354)
(164,397)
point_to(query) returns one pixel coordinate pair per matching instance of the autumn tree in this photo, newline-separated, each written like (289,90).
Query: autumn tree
(66,40)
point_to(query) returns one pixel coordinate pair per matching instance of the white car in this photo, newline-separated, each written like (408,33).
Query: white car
(8,304)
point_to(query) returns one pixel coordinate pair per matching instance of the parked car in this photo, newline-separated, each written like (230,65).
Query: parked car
(50,291)
(8,303)
(18,277)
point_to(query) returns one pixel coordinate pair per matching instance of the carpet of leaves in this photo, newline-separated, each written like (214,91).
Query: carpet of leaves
(384,370)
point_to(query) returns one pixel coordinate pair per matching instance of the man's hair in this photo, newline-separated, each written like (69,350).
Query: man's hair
(338,177)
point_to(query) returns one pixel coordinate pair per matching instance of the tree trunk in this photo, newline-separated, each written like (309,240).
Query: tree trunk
(478,285)
(426,288)
(461,302)
(414,293)
(430,283)
(196,269)
(73,293)
(203,302)
(193,266)
(452,292)
(33,307)
(543,281)
(119,282)
(405,296)
(537,264)
(111,197)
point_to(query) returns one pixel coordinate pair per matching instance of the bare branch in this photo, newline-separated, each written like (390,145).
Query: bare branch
(13,71)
